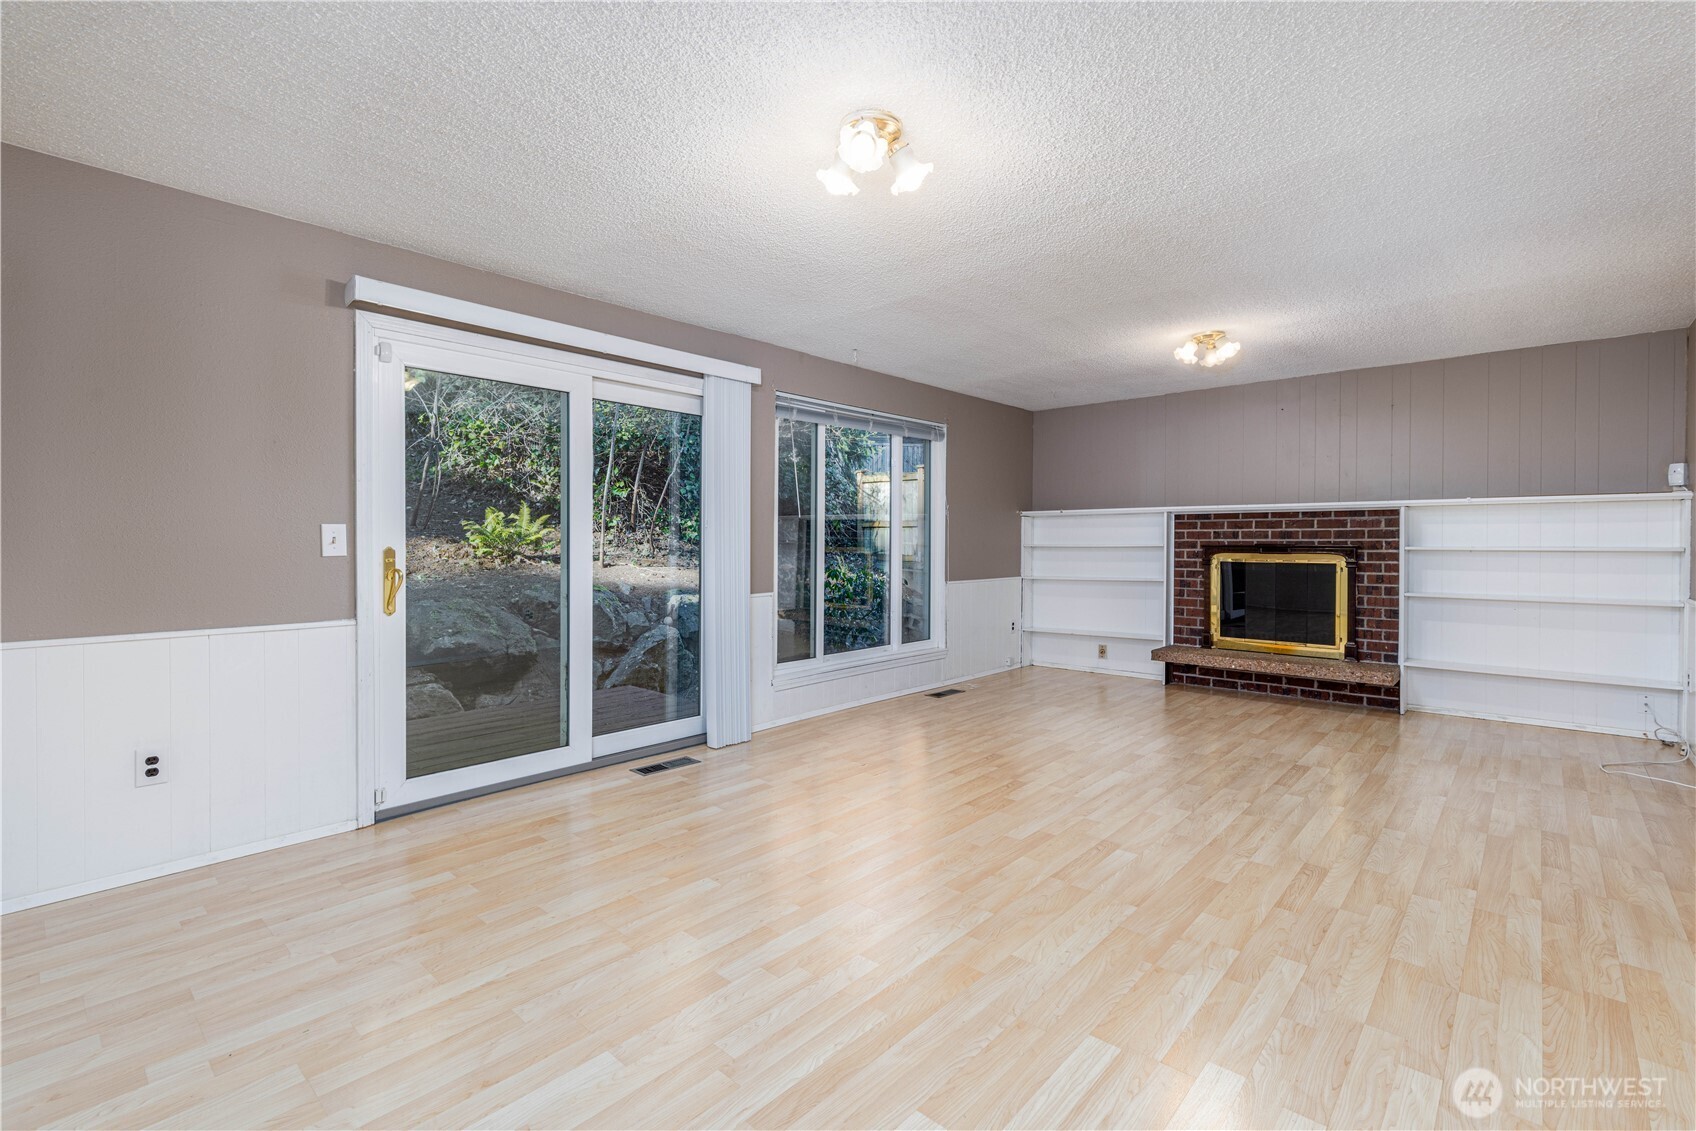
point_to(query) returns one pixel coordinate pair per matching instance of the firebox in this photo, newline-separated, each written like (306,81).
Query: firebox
(1291,603)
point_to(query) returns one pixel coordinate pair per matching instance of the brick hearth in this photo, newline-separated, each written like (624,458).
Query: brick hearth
(1375,634)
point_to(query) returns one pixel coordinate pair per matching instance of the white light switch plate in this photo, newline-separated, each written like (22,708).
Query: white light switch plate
(333,538)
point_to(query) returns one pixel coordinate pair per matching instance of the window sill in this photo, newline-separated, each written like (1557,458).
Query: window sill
(805,673)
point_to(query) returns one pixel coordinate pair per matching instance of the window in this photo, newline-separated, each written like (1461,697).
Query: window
(857,508)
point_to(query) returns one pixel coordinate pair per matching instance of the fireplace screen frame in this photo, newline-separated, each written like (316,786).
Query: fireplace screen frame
(1340,635)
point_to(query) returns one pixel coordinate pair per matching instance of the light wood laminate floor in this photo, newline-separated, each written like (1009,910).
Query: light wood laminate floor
(1057,900)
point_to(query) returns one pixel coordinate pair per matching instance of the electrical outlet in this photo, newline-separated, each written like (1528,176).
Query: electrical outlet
(1101,651)
(150,768)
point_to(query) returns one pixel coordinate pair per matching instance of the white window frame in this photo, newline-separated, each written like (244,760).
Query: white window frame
(820,667)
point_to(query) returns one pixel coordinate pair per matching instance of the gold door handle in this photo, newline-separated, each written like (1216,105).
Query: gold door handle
(393,579)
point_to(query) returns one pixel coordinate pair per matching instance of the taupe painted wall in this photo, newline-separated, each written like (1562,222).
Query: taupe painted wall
(178,408)
(1604,416)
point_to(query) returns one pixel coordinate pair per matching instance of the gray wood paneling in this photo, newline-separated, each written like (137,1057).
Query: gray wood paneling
(1586,435)
(1425,424)
(1574,418)
(1530,422)
(1502,422)
(1375,435)
(1625,407)
(1667,383)
(1558,427)
(1465,418)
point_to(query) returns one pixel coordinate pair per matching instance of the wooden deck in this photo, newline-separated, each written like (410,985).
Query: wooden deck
(471,738)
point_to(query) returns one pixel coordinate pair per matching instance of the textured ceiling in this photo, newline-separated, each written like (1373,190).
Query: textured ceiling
(1337,185)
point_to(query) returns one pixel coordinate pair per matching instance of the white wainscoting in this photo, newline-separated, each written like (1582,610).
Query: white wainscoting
(256,727)
(982,637)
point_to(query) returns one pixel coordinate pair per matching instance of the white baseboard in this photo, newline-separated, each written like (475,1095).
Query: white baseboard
(880,698)
(106,883)
(1523,720)
(1099,671)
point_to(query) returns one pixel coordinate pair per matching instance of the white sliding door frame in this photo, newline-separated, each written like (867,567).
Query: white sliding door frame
(725,489)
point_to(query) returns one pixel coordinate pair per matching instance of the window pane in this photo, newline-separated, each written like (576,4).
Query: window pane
(647,566)
(485,674)
(856,540)
(915,540)
(795,539)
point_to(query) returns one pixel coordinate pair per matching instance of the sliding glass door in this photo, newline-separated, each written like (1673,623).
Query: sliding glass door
(480,490)
(647,567)
(486,592)
(539,579)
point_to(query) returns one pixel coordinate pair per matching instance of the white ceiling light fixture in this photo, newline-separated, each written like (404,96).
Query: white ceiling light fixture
(910,172)
(1207,349)
(866,140)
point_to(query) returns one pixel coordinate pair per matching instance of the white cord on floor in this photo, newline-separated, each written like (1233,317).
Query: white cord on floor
(1635,769)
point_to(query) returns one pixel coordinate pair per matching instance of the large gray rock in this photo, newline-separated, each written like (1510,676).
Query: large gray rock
(609,615)
(683,612)
(537,603)
(425,699)
(480,639)
(538,684)
(658,661)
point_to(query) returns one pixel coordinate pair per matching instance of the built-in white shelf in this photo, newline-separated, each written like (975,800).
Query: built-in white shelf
(1547,549)
(1528,598)
(1544,673)
(1493,625)
(1105,634)
(1481,587)
(1092,577)
(1106,570)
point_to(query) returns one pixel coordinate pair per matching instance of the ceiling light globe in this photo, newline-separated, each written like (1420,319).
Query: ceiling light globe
(910,172)
(1229,350)
(861,147)
(1185,353)
(838,181)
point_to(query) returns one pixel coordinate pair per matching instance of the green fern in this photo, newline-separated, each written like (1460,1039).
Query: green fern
(507,536)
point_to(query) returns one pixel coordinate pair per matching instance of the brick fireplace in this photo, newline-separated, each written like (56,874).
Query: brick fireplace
(1370,538)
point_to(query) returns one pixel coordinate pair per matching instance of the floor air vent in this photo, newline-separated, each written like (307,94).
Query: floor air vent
(945,694)
(660,767)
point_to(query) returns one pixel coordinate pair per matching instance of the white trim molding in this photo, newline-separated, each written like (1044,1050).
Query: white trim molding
(171,868)
(177,634)
(983,632)
(819,666)
(375,294)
